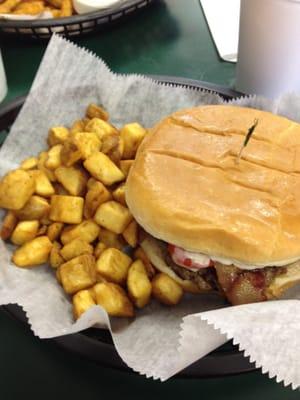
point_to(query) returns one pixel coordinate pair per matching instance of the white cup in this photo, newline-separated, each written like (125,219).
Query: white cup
(3,84)
(269,47)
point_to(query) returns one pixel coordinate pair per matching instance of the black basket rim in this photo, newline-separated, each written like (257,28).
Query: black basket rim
(74,19)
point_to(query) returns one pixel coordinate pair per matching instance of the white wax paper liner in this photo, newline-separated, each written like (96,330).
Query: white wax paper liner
(160,341)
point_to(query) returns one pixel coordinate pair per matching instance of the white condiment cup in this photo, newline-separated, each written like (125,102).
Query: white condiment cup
(85,6)
(269,47)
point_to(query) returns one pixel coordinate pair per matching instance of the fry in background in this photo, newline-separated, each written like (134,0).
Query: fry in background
(66,8)
(8,6)
(55,3)
(55,13)
(33,8)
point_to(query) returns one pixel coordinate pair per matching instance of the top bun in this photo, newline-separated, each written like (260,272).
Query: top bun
(187,188)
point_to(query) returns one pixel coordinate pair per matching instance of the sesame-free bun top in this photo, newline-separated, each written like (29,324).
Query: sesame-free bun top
(187,188)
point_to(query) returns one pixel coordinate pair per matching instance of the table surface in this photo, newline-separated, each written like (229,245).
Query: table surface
(171,38)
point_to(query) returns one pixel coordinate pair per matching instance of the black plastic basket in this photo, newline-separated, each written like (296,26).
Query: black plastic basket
(71,26)
(96,344)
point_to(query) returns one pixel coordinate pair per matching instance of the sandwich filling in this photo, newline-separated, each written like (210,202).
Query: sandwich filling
(237,285)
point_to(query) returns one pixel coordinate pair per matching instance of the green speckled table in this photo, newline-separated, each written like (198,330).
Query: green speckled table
(170,37)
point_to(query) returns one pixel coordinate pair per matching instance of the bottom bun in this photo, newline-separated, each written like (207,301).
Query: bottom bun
(285,281)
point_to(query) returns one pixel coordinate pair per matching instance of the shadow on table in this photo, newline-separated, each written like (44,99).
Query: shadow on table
(45,372)
(145,33)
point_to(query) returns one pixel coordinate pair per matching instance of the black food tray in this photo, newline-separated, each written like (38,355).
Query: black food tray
(96,344)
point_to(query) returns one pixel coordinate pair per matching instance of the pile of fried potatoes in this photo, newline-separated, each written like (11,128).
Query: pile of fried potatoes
(58,8)
(67,207)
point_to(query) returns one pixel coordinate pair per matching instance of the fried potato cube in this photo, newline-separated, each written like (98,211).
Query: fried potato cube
(43,186)
(91,182)
(8,5)
(32,253)
(95,196)
(138,284)
(55,13)
(102,168)
(46,221)
(115,154)
(113,299)
(56,260)
(16,188)
(69,153)
(113,216)
(139,254)
(130,234)
(113,147)
(75,248)
(132,134)
(29,163)
(87,231)
(119,194)
(78,126)
(36,208)
(85,121)
(57,135)
(125,166)
(111,239)
(55,3)
(43,156)
(100,127)
(42,230)
(94,111)
(113,265)
(78,273)
(92,293)
(24,232)
(166,290)
(30,8)
(195,288)
(54,160)
(57,274)
(82,301)
(87,143)
(68,209)
(100,247)
(100,278)
(59,189)
(8,225)
(73,179)
(66,8)
(54,230)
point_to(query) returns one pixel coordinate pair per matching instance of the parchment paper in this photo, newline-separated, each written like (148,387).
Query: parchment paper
(160,341)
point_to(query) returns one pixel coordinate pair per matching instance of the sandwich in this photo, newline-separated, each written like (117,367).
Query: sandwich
(218,215)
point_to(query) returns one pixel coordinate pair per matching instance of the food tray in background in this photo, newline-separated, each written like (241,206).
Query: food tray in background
(96,344)
(41,29)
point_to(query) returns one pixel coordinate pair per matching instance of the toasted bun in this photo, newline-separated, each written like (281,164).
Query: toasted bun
(187,188)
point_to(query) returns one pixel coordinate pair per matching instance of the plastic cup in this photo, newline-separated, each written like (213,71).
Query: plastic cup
(269,47)
(3,85)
